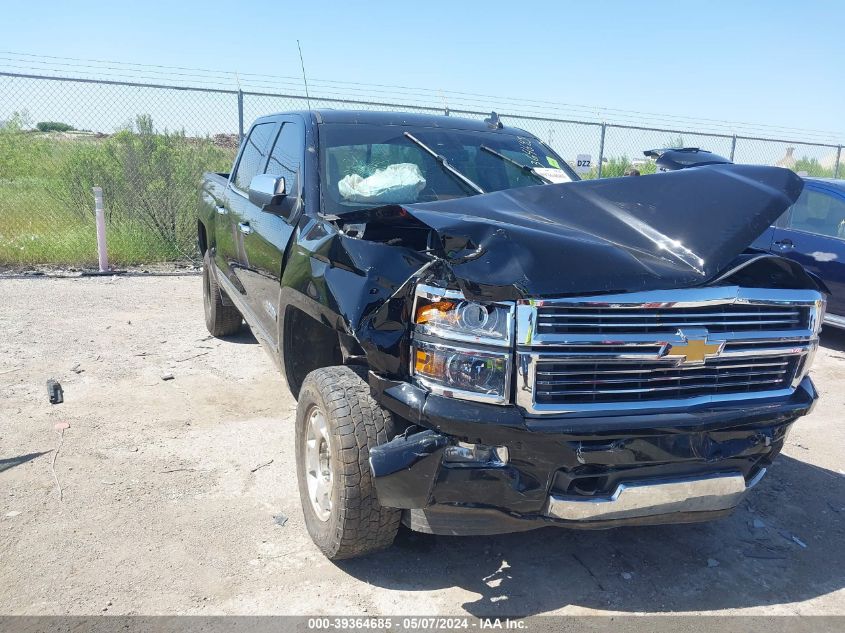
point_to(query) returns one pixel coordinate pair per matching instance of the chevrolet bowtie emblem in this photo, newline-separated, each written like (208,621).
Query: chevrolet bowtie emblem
(694,349)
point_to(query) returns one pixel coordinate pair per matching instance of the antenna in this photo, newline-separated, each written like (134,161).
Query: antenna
(304,79)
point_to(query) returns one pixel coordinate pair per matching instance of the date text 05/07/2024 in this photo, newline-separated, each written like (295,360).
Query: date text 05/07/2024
(412,623)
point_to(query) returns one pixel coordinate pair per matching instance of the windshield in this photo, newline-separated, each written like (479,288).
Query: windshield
(367,165)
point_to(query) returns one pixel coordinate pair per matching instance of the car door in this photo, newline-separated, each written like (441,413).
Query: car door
(814,236)
(229,235)
(267,233)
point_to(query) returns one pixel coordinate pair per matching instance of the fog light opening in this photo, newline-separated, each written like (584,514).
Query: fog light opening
(466,454)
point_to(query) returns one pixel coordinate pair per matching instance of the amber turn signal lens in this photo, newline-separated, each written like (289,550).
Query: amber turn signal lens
(428,364)
(430,311)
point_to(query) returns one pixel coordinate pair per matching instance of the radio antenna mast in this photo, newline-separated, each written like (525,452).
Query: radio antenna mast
(304,79)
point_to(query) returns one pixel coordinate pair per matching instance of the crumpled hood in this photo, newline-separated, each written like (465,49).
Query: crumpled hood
(664,231)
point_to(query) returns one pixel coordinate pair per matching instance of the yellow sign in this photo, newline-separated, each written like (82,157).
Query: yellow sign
(695,350)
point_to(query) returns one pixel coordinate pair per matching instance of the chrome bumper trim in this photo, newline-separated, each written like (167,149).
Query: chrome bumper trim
(641,499)
(834,320)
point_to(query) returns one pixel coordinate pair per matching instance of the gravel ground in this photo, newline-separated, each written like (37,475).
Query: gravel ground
(168,507)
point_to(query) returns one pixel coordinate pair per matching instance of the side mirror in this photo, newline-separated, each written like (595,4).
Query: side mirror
(266,190)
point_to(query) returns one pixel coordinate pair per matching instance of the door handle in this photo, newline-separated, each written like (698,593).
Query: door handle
(221,210)
(785,244)
(245,228)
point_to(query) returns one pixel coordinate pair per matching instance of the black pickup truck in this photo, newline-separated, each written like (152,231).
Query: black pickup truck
(481,343)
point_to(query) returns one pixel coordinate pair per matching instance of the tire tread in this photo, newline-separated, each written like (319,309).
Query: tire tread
(220,319)
(363,526)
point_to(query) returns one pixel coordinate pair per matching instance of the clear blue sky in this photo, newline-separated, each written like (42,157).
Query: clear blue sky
(776,63)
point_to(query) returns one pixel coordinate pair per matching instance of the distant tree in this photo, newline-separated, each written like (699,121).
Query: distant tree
(812,167)
(148,177)
(677,142)
(18,122)
(53,126)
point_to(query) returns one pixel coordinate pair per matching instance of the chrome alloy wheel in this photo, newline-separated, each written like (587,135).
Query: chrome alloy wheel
(318,469)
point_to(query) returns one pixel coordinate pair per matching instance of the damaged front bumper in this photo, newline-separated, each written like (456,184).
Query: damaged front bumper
(590,471)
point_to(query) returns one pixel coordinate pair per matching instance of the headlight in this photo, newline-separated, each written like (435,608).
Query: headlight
(480,371)
(462,373)
(446,314)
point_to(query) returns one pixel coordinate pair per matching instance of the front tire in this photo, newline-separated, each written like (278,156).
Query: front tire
(337,422)
(220,319)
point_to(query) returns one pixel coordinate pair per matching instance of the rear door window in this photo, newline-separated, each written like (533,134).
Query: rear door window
(819,213)
(254,156)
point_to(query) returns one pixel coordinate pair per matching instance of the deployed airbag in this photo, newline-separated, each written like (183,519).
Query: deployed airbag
(397,184)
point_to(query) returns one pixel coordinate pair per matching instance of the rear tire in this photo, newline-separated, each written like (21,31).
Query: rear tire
(337,422)
(220,319)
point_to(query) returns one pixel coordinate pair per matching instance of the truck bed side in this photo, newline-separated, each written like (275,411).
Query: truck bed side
(212,195)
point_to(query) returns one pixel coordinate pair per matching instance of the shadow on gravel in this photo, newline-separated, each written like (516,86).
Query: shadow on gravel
(244,336)
(833,338)
(783,545)
(10,462)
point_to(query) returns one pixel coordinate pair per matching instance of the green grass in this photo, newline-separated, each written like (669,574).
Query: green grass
(36,231)
(150,182)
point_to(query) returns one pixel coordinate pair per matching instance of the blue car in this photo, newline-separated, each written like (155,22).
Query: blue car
(812,232)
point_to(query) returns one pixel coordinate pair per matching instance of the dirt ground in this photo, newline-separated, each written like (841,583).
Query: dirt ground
(168,507)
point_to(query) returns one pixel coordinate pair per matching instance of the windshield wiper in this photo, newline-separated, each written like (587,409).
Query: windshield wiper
(444,162)
(524,168)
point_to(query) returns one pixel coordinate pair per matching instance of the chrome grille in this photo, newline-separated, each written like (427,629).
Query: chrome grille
(638,350)
(637,381)
(559,319)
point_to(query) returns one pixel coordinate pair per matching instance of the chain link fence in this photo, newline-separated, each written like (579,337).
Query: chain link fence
(147,146)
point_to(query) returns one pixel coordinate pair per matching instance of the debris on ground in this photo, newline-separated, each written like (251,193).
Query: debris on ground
(61,427)
(789,536)
(758,524)
(182,360)
(280,519)
(77,368)
(13,513)
(54,391)
(627,575)
(712,562)
(261,465)
(167,376)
